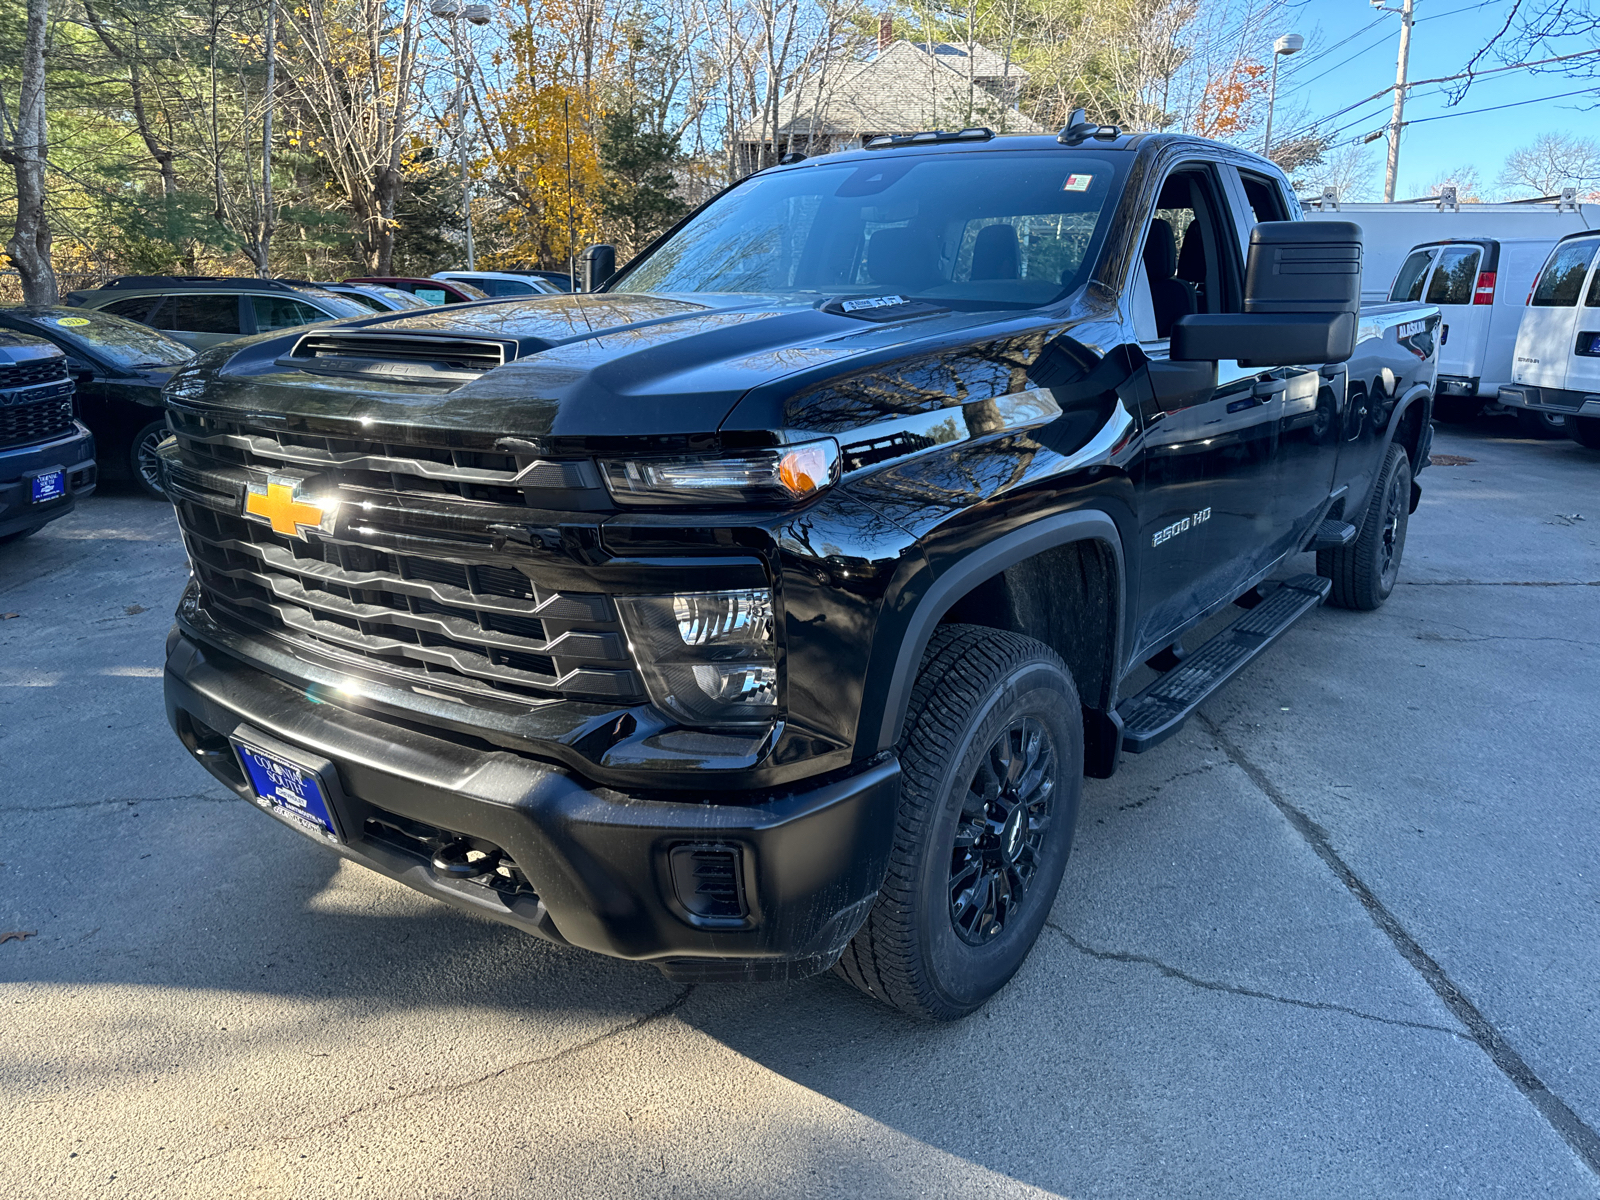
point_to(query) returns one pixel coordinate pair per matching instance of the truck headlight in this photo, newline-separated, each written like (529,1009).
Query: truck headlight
(707,658)
(781,475)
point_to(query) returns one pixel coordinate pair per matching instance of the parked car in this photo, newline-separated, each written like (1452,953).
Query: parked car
(561,280)
(120,368)
(1389,231)
(501,284)
(1481,286)
(377,296)
(1555,386)
(780,637)
(201,311)
(46,454)
(431,291)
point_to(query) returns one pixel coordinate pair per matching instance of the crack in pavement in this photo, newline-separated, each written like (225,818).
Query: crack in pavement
(1583,1140)
(440,1089)
(122,800)
(1212,985)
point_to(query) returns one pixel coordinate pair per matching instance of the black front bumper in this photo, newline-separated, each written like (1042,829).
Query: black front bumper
(72,453)
(600,863)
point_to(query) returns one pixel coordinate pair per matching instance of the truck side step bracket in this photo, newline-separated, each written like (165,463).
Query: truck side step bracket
(1332,535)
(1159,711)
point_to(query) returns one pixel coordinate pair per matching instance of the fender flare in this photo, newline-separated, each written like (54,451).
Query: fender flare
(959,578)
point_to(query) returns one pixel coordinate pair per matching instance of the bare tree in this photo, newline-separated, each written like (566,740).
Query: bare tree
(25,147)
(1552,162)
(1469,187)
(1350,172)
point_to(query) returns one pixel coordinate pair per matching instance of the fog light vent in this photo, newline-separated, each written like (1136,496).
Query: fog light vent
(709,881)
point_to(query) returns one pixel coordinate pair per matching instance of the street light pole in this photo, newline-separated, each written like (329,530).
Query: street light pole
(476,14)
(1398,119)
(1289,43)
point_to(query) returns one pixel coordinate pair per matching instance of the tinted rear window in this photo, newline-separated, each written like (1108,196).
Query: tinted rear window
(1408,284)
(1454,276)
(1562,277)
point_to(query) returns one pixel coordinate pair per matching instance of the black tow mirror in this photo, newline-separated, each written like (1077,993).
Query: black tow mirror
(1302,297)
(599,264)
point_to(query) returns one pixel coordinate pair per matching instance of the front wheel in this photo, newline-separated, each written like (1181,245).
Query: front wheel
(1545,426)
(142,458)
(1586,431)
(1364,572)
(992,764)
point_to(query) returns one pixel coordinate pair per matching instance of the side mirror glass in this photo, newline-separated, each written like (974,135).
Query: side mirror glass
(599,264)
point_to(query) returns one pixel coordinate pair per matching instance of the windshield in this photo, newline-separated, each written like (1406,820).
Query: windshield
(335,304)
(978,230)
(125,343)
(398,298)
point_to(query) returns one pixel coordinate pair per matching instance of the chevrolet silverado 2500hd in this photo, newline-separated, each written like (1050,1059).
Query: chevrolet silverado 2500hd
(761,612)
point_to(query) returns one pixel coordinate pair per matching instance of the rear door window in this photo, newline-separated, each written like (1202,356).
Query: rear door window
(135,308)
(206,314)
(1562,278)
(1265,200)
(430,295)
(283,312)
(1454,276)
(1413,272)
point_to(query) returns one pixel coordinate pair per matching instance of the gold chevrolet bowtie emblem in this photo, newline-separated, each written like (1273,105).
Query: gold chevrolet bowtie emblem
(274,502)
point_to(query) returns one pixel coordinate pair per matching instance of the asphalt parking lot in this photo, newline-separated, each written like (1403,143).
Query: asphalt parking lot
(1341,937)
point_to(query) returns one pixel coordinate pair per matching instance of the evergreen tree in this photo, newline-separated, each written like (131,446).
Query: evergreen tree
(636,197)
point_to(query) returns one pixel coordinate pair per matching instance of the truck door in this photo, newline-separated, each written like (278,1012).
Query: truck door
(1309,408)
(1549,331)
(1204,483)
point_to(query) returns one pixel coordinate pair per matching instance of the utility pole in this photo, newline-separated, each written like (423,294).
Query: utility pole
(1289,43)
(1398,120)
(474,14)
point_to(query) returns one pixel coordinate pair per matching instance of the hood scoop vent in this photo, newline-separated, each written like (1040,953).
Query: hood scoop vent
(411,358)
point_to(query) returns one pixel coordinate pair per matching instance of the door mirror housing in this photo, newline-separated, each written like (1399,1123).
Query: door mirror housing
(599,264)
(1302,297)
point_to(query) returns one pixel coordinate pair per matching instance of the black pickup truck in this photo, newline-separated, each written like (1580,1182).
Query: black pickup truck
(760,612)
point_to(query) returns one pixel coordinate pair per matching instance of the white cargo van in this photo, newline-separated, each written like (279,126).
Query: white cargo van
(1481,287)
(1389,231)
(1556,370)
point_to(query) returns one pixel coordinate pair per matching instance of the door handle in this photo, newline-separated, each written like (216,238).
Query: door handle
(1268,388)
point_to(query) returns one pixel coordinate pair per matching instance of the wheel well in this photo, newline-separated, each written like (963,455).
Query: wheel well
(1065,597)
(1408,433)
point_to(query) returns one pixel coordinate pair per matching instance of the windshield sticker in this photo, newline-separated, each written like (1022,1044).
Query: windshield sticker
(1077,183)
(72,322)
(873,302)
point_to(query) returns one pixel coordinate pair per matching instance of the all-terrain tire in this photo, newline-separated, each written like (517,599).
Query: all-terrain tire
(993,728)
(1543,426)
(1586,431)
(1364,572)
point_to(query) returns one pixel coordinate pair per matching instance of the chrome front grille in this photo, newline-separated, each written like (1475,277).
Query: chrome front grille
(410,587)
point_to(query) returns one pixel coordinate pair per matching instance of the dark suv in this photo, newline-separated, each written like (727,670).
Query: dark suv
(200,311)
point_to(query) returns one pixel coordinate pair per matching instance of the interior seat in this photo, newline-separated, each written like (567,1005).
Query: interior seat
(995,254)
(1171,297)
(903,256)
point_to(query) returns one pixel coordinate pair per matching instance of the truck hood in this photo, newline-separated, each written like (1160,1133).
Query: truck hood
(582,367)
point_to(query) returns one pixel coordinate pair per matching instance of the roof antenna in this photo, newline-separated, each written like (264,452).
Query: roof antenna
(1079,129)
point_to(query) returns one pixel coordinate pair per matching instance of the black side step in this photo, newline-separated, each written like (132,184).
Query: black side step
(1331,535)
(1159,711)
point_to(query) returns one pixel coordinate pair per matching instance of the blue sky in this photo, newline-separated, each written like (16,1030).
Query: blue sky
(1447,33)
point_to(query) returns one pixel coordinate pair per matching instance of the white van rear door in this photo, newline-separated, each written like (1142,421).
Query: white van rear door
(1452,287)
(1550,326)
(1583,370)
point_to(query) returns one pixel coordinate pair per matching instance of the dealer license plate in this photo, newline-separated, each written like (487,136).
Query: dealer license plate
(289,792)
(52,485)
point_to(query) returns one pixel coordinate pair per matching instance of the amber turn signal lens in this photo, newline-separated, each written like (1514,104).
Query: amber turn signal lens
(804,470)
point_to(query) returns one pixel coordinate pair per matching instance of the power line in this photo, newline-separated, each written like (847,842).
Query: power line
(1498,107)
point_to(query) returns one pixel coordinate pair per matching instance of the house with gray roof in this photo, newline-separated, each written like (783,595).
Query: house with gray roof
(903,89)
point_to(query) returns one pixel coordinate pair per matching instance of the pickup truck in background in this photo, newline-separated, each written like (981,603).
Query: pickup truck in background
(761,612)
(46,454)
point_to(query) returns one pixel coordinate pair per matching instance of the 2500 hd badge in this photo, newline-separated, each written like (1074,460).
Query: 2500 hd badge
(761,610)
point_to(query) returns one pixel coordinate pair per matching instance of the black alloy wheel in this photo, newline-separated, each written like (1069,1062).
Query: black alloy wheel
(1365,572)
(1000,831)
(143,460)
(991,767)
